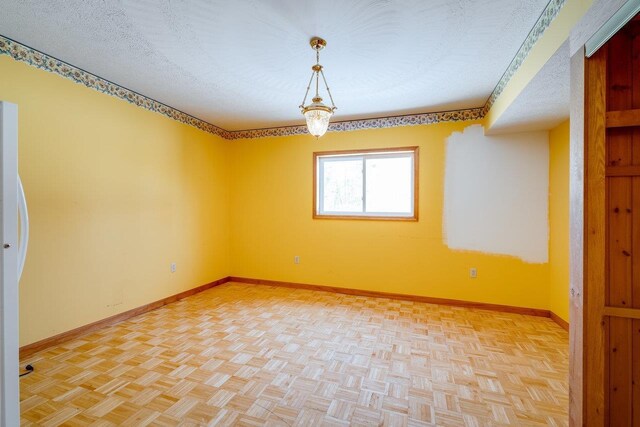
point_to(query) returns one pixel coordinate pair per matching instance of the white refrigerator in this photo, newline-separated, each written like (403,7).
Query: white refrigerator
(14,235)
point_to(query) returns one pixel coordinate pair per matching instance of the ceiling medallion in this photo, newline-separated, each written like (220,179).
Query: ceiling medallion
(317,114)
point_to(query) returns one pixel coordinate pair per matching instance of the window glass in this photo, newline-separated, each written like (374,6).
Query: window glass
(368,184)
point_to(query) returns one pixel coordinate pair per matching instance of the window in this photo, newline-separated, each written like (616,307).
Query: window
(366,184)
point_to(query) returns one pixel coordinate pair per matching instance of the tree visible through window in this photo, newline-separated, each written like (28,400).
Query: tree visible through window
(378,184)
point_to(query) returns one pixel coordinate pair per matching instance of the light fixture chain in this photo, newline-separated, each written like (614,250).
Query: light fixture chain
(307,92)
(333,104)
(317,73)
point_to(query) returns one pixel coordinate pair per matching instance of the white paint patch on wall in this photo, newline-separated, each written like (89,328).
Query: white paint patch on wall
(496,193)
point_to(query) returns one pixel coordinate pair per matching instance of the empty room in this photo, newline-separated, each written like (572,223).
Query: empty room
(320,213)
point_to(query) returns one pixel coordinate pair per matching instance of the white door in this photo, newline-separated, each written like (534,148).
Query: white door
(9,384)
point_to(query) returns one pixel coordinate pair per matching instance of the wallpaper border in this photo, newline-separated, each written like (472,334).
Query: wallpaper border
(38,59)
(549,13)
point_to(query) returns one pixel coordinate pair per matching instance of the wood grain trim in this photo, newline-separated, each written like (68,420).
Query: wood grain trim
(367,218)
(405,297)
(559,320)
(594,382)
(29,349)
(624,118)
(627,313)
(365,151)
(622,171)
(416,184)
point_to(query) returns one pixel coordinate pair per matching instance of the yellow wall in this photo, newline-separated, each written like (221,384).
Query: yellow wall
(271,223)
(116,193)
(559,220)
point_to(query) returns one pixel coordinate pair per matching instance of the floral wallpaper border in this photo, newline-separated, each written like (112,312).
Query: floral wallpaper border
(548,15)
(23,53)
(35,58)
(360,124)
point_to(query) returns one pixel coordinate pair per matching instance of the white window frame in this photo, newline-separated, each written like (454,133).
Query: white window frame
(318,183)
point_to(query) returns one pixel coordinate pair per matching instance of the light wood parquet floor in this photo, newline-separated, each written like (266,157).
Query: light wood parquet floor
(258,355)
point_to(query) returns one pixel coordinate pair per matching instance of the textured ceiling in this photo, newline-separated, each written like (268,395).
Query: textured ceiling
(544,102)
(245,63)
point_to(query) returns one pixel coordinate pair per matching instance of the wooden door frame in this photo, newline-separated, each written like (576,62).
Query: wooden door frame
(587,222)
(587,240)
(595,72)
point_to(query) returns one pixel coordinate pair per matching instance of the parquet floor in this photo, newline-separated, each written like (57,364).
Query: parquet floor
(257,355)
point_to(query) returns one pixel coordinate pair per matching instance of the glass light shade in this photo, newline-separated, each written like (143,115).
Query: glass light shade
(317,115)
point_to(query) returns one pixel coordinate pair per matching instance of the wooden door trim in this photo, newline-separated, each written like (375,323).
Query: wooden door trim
(623,171)
(624,118)
(594,245)
(627,313)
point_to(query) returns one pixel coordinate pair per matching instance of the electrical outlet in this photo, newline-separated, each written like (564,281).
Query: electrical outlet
(473,273)
(173,267)
(296,259)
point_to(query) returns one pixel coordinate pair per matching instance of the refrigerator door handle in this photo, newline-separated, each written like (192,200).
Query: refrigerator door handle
(24,228)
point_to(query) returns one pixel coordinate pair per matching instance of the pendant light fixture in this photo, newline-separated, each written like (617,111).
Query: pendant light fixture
(317,114)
